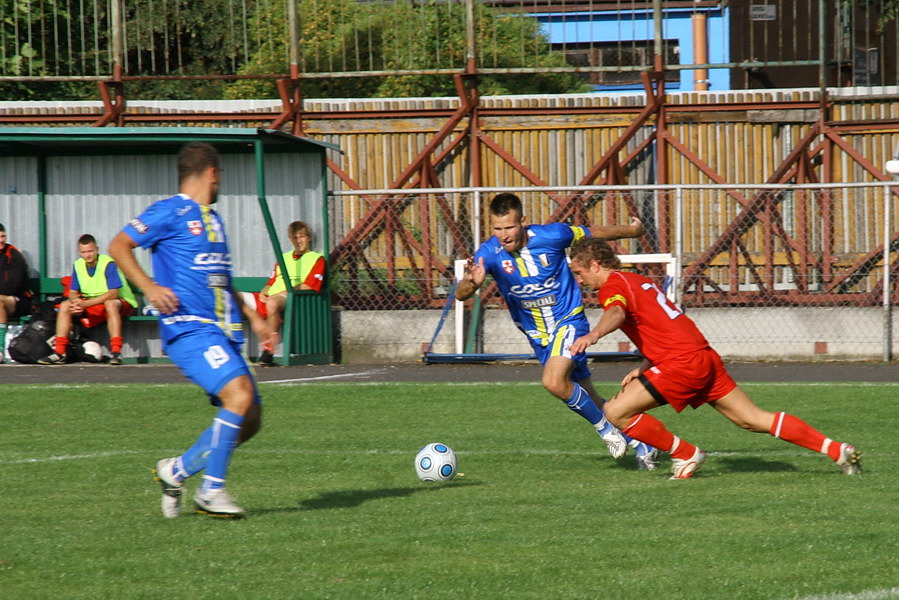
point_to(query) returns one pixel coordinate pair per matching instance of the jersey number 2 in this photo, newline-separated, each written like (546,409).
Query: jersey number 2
(672,310)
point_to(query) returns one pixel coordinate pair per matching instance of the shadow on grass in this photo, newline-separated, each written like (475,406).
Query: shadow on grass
(350,498)
(751,464)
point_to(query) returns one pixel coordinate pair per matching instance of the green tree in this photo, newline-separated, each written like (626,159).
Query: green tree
(343,35)
(172,38)
(888,10)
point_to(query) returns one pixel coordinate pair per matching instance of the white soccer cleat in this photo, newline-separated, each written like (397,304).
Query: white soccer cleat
(218,503)
(171,488)
(54,358)
(850,460)
(615,442)
(684,469)
(648,461)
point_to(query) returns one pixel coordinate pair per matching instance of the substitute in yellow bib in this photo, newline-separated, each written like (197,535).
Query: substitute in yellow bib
(97,293)
(306,269)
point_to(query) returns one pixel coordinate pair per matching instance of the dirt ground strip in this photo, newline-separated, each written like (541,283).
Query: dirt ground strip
(80,373)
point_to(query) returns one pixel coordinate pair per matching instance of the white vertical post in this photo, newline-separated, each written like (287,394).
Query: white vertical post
(887,305)
(678,239)
(459,308)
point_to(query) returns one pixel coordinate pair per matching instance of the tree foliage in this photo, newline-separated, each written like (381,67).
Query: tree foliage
(343,35)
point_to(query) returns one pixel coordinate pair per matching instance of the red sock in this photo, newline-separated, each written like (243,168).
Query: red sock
(60,345)
(648,429)
(796,431)
(115,344)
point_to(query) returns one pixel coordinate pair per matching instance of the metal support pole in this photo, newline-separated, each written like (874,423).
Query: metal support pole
(678,249)
(115,16)
(276,247)
(658,50)
(887,284)
(470,38)
(822,48)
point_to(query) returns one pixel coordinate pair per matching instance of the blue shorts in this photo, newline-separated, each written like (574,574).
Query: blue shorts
(558,345)
(210,359)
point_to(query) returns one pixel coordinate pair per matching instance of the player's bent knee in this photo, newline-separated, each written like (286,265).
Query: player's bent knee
(556,388)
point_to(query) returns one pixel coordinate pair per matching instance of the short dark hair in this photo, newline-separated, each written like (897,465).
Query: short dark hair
(86,239)
(588,249)
(504,203)
(196,157)
(296,226)
(2,228)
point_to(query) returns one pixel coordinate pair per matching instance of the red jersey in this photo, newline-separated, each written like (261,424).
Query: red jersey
(657,326)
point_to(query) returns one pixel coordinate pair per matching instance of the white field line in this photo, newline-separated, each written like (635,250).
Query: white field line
(330,381)
(884,594)
(600,452)
(852,384)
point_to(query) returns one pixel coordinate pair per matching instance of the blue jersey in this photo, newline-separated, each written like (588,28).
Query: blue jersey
(536,282)
(190,255)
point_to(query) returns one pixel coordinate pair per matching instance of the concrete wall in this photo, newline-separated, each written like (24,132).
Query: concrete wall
(744,333)
(385,336)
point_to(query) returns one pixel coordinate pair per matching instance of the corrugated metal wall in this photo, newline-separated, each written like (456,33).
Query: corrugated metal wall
(99,194)
(19,207)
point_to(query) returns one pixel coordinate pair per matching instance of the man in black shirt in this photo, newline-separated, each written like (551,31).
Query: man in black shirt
(15,297)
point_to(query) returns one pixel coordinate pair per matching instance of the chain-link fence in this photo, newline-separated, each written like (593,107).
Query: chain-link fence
(766,271)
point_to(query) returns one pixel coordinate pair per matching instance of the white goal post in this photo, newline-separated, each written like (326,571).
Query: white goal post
(671,287)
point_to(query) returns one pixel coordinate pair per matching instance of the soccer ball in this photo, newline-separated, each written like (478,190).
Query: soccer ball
(435,462)
(92,348)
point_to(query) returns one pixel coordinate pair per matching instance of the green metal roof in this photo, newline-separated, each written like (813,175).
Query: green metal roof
(98,140)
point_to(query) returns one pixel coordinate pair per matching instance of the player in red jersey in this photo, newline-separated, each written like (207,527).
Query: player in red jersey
(680,369)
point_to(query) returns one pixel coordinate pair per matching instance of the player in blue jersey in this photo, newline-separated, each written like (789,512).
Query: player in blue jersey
(200,323)
(529,265)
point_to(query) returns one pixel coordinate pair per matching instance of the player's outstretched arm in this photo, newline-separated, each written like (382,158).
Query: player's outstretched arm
(611,319)
(475,273)
(617,232)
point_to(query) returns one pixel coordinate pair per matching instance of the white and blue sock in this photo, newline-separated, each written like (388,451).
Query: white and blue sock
(641,448)
(580,402)
(225,432)
(194,460)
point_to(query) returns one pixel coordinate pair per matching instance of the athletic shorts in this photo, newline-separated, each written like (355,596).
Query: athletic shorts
(689,380)
(559,342)
(23,307)
(210,359)
(253,300)
(95,314)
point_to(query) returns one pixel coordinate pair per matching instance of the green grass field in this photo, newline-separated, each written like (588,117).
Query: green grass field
(539,510)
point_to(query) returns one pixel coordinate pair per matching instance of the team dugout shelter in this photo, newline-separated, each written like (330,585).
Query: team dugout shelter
(59,183)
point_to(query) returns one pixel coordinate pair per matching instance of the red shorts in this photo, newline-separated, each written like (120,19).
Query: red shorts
(689,380)
(252,300)
(95,314)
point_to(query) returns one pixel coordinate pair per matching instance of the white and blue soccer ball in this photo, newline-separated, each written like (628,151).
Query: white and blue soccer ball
(435,462)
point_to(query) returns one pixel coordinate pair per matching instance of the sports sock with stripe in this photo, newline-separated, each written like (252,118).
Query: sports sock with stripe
(580,402)
(648,429)
(225,432)
(796,431)
(194,460)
